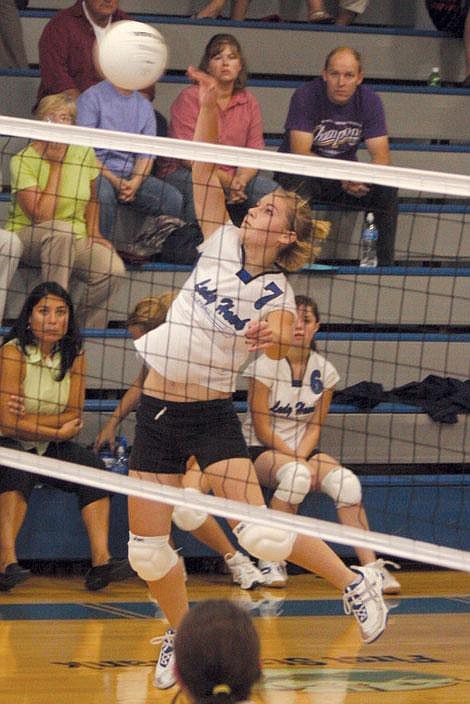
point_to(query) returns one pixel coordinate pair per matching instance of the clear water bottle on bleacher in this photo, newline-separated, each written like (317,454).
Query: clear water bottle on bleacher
(434,78)
(369,238)
(121,462)
(107,456)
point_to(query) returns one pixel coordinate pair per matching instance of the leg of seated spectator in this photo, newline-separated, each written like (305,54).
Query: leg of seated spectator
(239,9)
(383,202)
(212,9)
(12,51)
(466,42)
(157,197)
(182,180)
(108,206)
(52,244)
(96,519)
(13,508)
(102,270)
(15,489)
(11,249)
(94,503)
(349,9)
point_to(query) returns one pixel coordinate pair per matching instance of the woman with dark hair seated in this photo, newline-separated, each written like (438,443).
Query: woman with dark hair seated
(42,391)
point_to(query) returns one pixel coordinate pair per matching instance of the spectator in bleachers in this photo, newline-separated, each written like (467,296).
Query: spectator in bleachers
(240,125)
(329,117)
(42,391)
(348,10)
(12,51)
(66,47)
(289,401)
(10,254)
(214,7)
(453,16)
(55,213)
(125,177)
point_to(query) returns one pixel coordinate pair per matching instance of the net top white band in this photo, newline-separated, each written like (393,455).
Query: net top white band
(412,179)
(407,548)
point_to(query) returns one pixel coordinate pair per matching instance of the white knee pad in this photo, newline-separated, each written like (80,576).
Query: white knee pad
(151,558)
(294,482)
(188,518)
(343,486)
(266,543)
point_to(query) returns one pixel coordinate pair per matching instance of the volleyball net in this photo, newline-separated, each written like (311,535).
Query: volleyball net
(397,335)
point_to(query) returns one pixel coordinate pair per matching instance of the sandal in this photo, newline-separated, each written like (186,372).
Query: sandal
(321,17)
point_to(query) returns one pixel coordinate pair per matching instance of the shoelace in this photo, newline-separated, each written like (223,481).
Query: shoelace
(356,604)
(357,601)
(167,647)
(386,563)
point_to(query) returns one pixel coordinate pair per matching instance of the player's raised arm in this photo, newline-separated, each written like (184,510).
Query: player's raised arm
(209,197)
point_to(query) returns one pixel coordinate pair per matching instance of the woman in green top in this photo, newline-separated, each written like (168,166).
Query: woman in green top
(55,214)
(42,391)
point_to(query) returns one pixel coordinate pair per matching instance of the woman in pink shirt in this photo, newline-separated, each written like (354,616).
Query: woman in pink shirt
(240,125)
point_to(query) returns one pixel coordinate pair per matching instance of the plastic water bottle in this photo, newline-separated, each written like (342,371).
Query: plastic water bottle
(369,238)
(434,78)
(121,462)
(107,456)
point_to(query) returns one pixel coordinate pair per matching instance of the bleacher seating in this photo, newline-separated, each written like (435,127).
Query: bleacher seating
(429,130)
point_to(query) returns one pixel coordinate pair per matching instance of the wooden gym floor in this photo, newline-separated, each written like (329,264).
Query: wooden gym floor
(60,643)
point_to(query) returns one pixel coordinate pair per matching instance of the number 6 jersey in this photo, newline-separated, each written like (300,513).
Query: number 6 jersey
(203,339)
(291,402)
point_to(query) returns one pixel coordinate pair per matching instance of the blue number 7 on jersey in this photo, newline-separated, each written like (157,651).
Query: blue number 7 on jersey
(275,293)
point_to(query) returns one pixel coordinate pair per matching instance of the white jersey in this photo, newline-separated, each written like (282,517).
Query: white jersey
(203,339)
(291,402)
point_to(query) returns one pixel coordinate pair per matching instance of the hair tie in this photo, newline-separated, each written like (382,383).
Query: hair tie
(221,689)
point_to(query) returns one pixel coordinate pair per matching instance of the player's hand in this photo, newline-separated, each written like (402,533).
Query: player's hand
(208,92)
(236,192)
(259,336)
(105,436)
(16,405)
(355,189)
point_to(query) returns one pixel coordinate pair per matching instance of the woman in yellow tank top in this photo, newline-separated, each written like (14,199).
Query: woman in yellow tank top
(42,391)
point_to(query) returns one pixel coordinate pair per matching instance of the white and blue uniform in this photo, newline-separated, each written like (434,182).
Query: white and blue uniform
(291,402)
(203,339)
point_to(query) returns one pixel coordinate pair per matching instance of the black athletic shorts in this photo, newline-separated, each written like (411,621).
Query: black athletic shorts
(168,433)
(12,479)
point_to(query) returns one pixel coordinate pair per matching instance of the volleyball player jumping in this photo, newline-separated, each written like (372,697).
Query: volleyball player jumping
(237,300)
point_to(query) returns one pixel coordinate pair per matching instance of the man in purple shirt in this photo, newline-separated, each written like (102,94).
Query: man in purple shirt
(329,117)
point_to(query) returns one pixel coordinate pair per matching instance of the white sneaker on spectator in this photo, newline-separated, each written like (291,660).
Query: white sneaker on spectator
(244,572)
(274,573)
(363,599)
(391,585)
(165,676)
